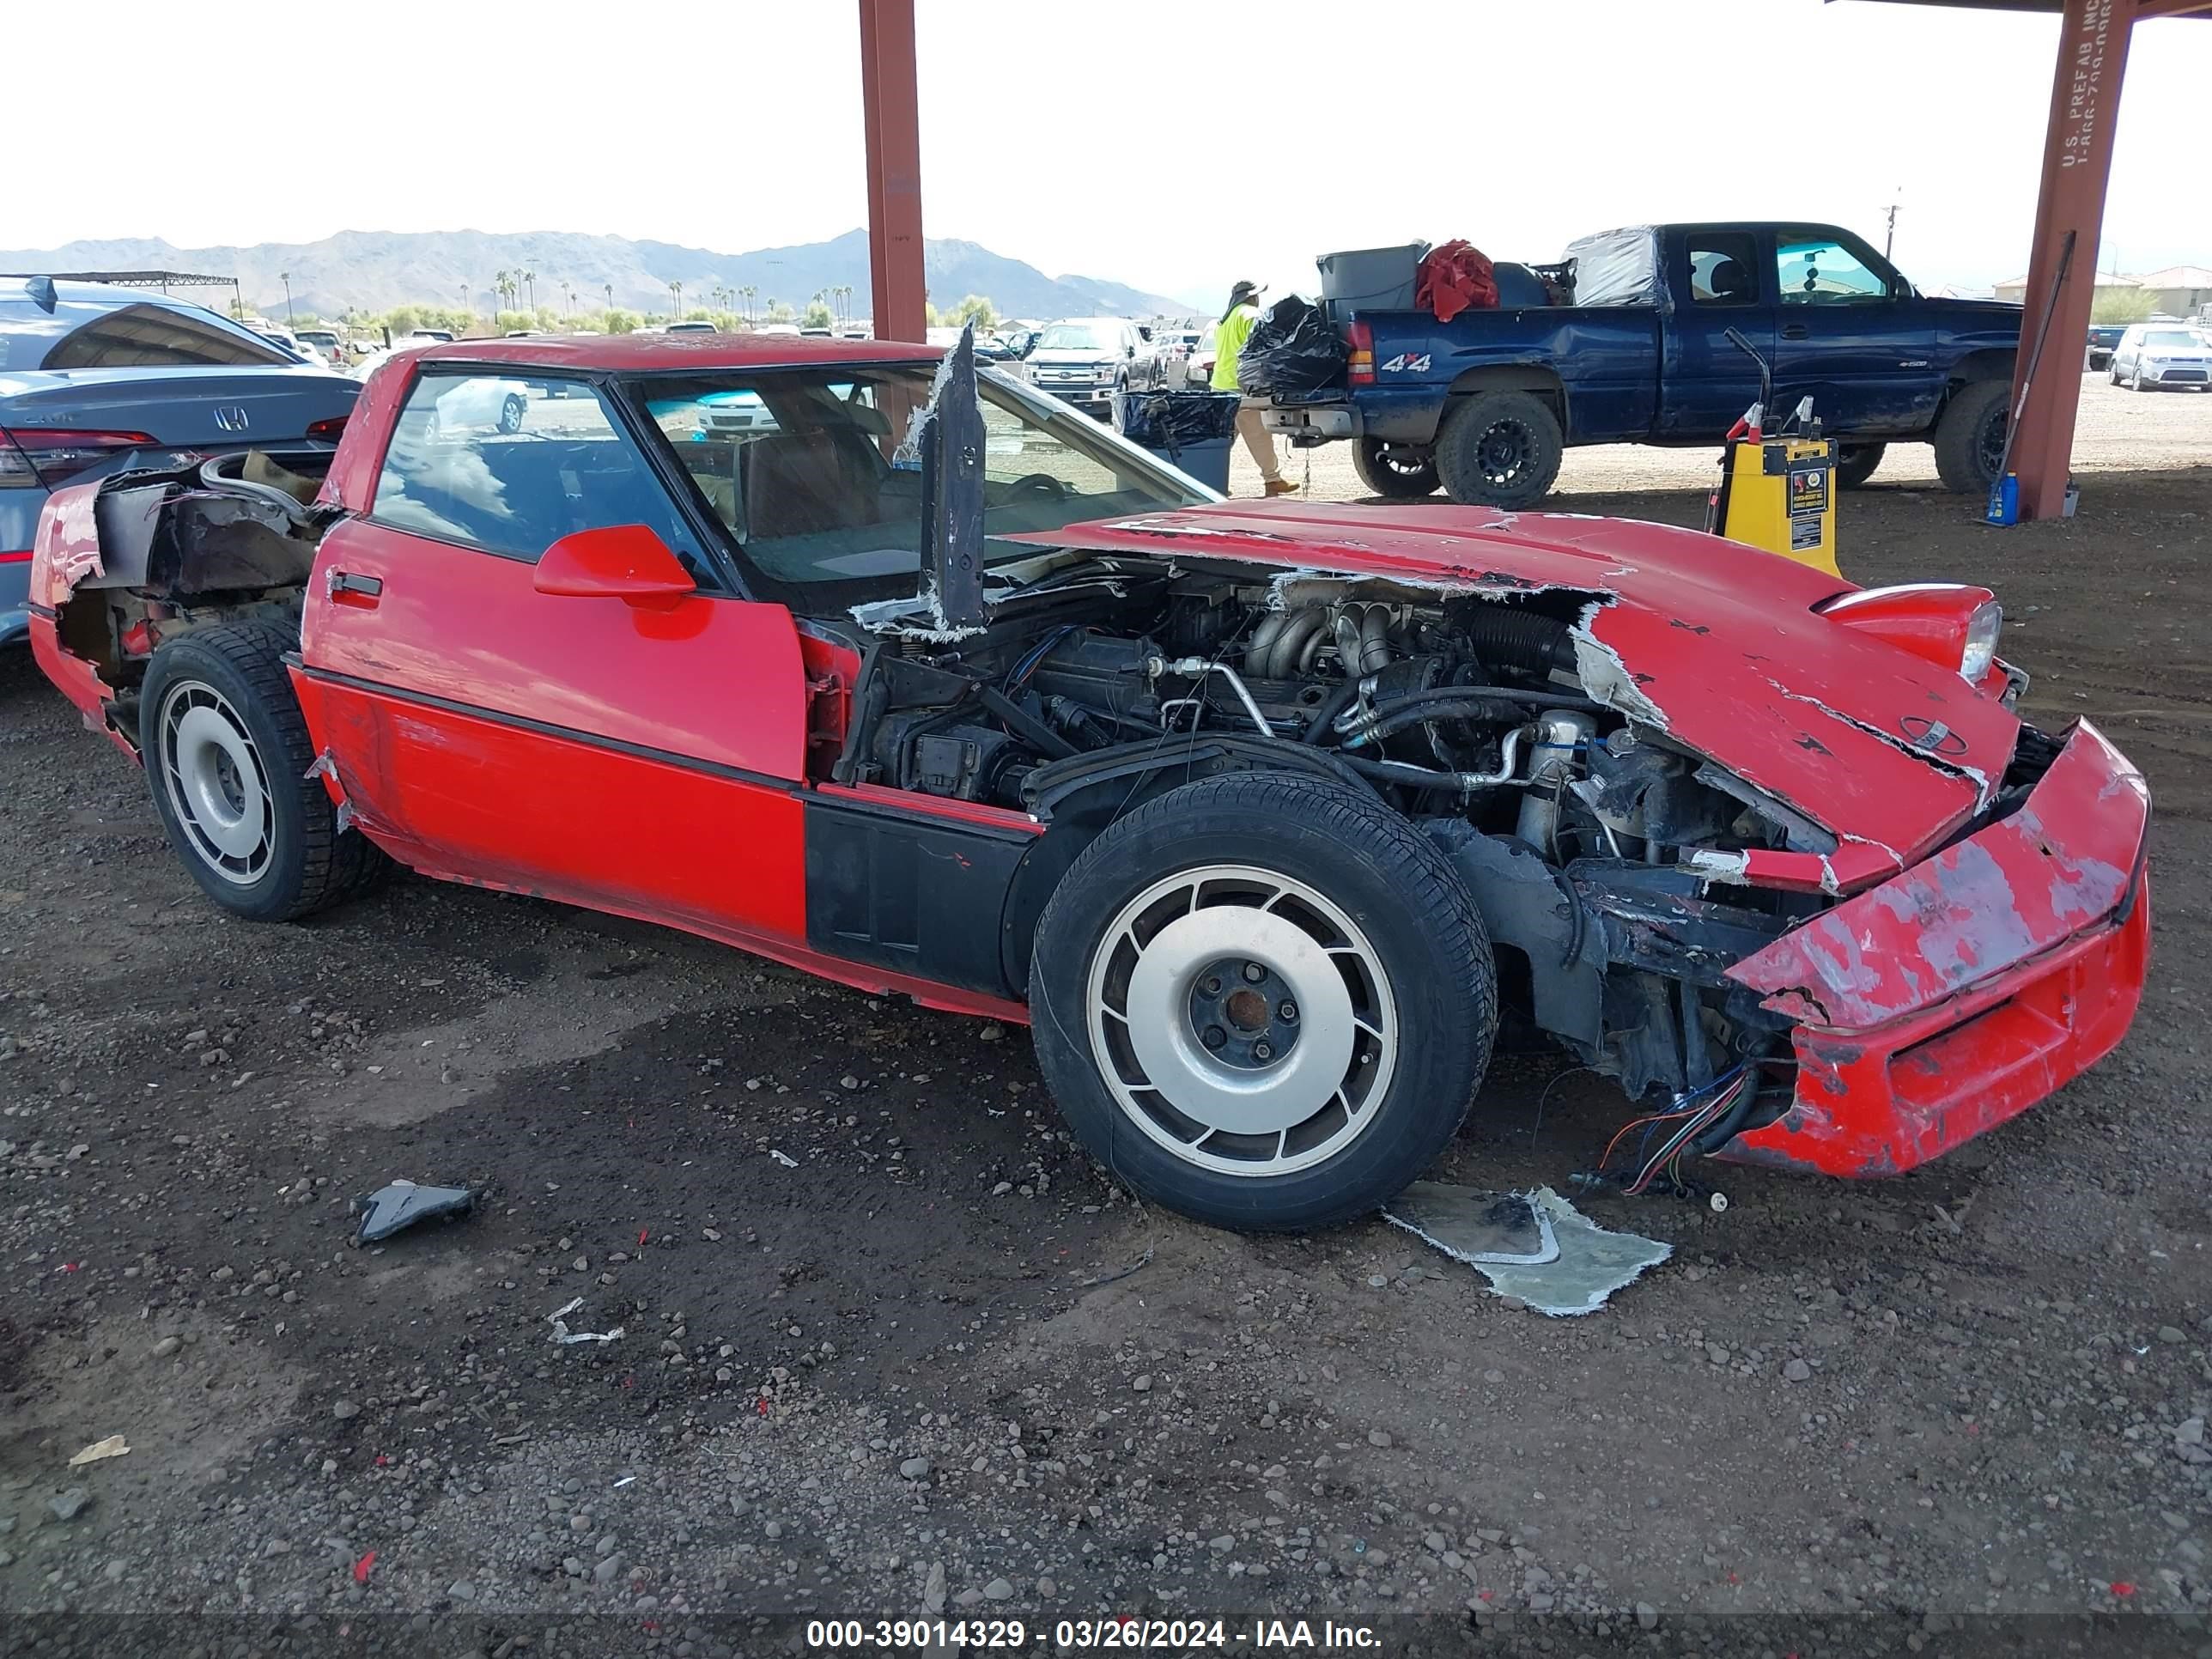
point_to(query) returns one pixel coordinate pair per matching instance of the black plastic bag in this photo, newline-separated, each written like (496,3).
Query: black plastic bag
(1291,349)
(1169,420)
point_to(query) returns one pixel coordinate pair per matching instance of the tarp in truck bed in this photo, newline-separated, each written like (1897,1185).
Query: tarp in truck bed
(1617,267)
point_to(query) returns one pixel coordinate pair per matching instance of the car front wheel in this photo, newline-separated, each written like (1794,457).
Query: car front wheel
(1263,1001)
(227,751)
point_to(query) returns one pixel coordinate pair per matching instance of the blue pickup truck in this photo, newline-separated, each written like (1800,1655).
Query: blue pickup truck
(1486,403)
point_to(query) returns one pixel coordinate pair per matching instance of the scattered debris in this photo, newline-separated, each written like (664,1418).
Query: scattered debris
(1575,1265)
(402,1204)
(784,1158)
(1108,1278)
(113,1446)
(1477,1227)
(361,1567)
(624,1482)
(559,1320)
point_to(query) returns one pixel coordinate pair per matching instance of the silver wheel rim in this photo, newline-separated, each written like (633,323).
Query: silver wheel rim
(1241,1020)
(216,785)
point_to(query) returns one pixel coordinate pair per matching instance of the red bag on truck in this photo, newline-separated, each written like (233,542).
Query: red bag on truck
(1454,277)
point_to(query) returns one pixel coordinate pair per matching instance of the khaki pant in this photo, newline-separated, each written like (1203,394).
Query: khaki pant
(1259,441)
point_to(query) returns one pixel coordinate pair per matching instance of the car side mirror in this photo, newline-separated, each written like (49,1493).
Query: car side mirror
(624,561)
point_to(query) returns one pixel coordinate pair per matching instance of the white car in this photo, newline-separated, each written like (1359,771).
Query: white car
(2152,356)
(481,402)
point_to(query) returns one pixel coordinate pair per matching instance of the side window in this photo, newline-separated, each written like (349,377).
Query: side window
(1723,269)
(510,464)
(1821,272)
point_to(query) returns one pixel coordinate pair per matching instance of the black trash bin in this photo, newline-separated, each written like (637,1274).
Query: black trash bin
(1190,431)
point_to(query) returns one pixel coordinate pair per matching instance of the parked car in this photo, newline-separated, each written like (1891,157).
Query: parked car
(1486,403)
(330,351)
(90,372)
(2152,356)
(428,336)
(2103,337)
(1087,360)
(1197,367)
(697,326)
(1255,812)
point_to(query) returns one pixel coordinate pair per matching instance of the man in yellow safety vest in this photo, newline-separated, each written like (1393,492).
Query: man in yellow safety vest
(1229,337)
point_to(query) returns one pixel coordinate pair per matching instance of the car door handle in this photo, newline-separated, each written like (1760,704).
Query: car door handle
(349,589)
(1797,331)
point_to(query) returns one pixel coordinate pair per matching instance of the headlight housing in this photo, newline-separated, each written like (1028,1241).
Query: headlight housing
(1983,628)
(1950,624)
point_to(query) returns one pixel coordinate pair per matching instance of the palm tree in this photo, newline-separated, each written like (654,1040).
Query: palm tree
(677,290)
(285,277)
(568,295)
(610,296)
(746,294)
(465,305)
(529,281)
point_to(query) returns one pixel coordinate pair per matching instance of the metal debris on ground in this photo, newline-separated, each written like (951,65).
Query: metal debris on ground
(1558,1260)
(113,1446)
(402,1204)
(784,1158)
(559,1320)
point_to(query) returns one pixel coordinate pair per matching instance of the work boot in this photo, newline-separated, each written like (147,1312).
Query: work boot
(1279,486)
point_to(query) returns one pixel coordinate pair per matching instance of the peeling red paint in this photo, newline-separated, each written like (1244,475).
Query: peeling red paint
(1956,996)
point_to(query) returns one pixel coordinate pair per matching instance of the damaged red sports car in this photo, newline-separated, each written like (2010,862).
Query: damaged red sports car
(914,678)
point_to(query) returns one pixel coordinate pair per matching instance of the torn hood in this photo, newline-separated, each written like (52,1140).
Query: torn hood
(1715,643)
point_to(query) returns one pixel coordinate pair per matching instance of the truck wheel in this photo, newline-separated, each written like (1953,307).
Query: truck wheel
(1969,436)
(1398,472)
(1498,449)
(1857,462)
(226,750)
(1263,1001)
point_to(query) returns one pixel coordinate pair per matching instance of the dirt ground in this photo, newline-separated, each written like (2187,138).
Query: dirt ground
(891,1347)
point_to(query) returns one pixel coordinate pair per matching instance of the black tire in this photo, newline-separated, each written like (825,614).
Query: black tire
(1397,472)
(1410,914)
(235,674)
(2137,384)
(1969,436)
(511,413)
(1855,463)
(1499,449)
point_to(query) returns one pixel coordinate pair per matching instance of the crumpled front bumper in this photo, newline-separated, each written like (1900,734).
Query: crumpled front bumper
(1959,994)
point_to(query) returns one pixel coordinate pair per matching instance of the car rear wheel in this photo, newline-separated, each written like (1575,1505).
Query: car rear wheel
(2136,385)
(1969,436)
(226,752)
(1499,449)
(1855,463)
(1265,1002)
(1397,472)
(511,413)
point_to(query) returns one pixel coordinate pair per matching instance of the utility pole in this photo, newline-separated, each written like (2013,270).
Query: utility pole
(1889,234)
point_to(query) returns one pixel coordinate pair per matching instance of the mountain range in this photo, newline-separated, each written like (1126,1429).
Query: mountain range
(374,270)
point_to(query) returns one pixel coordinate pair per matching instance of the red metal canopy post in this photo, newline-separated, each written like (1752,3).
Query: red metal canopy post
(892,108)
(2077,162)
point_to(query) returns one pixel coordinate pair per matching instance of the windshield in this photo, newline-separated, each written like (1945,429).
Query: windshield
(2173,337)
(1072,337)
(800,467)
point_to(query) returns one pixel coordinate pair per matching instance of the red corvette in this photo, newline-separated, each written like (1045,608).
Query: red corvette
(916,680)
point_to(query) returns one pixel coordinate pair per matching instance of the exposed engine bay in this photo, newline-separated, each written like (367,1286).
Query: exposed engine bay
(1108,680)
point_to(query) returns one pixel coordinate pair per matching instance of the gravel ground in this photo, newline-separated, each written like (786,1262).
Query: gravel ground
(891,1347)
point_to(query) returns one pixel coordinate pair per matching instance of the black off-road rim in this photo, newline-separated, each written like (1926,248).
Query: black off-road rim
(1401,462)
(1991,449)
(1507,453)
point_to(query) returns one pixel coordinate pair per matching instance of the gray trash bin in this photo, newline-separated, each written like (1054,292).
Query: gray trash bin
(1191,431)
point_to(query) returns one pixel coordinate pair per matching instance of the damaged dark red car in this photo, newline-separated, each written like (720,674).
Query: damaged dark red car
(912,679)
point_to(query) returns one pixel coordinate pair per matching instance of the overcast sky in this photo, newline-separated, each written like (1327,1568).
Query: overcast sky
(1176,144)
